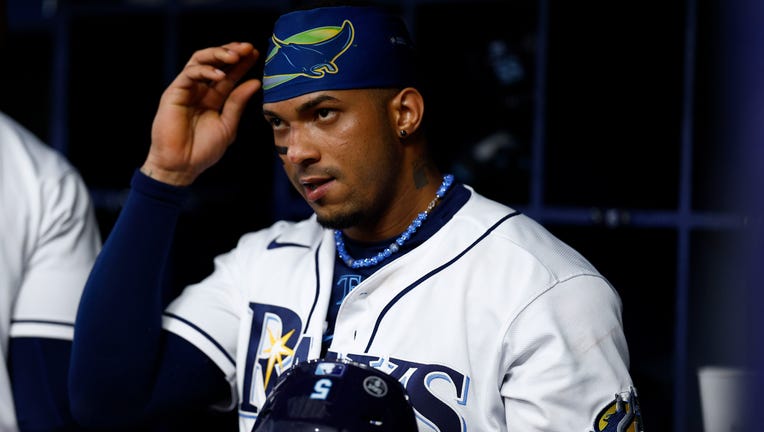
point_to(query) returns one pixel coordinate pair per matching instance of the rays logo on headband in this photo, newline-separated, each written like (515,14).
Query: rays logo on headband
(311,54)
(336,48)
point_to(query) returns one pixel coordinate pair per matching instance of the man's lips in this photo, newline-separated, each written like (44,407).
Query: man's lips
(315,188)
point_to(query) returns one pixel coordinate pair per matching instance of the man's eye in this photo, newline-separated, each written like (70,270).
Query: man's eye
(274,121)
(323,112)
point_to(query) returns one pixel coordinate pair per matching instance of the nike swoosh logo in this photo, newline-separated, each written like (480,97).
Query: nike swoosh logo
(275,244)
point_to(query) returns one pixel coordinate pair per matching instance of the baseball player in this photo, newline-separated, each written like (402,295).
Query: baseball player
(489,321)
(50,239)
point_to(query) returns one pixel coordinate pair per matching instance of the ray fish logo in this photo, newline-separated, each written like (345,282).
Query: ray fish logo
(312,54)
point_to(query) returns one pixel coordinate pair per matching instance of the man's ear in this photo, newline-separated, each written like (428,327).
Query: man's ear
(408,110)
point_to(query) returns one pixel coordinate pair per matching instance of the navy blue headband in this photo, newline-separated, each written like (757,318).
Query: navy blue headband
(336,48)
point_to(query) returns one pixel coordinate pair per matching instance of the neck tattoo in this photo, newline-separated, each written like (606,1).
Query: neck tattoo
(403,238)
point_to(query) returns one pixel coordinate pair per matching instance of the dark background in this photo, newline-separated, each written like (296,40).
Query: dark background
(630,129)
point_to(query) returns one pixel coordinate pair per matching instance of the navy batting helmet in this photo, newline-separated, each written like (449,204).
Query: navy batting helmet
(336,396)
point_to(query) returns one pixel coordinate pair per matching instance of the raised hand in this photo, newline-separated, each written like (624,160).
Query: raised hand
(199,113)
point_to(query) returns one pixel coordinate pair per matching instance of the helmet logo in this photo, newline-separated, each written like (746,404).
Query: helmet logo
(375,386)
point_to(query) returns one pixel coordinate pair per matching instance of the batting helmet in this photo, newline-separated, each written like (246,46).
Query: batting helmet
(336,396)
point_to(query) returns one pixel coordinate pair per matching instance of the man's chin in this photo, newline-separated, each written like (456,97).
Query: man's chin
(338,221)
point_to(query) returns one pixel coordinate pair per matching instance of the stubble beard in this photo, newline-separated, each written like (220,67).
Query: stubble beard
(340,221)
(357,212)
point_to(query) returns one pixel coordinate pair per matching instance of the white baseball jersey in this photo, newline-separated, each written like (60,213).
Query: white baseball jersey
(492,324)
(49,242)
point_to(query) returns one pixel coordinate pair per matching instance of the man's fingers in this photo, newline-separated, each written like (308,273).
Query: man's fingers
(247,57)
(237,101)
(221,56)
(194,74)
(218,67)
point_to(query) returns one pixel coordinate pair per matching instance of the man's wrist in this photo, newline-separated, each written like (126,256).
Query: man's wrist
(164,176)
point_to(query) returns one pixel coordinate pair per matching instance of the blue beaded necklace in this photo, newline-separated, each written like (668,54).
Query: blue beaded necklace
(403,238)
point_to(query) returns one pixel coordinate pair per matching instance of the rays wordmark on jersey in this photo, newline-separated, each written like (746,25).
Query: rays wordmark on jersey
(276,343)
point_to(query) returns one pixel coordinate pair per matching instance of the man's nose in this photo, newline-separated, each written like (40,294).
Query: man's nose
(301,149)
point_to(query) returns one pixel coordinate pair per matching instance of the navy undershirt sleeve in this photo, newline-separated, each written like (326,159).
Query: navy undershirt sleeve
(38,370)
(124,367)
